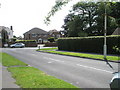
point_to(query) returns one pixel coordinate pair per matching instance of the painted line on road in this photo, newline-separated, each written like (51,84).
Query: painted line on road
(33,54)
(53,59)
(94,68)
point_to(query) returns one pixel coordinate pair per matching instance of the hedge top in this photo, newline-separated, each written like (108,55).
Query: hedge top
(91,37)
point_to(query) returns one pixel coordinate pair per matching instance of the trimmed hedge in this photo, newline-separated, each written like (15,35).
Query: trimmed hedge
(92,44)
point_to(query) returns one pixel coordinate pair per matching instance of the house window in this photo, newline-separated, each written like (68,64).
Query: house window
(34,35)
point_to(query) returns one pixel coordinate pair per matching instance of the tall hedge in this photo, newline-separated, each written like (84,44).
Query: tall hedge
(93,44)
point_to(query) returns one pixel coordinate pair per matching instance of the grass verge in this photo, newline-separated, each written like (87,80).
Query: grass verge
(46,49)
(29,77)
(8,60)
(92,56)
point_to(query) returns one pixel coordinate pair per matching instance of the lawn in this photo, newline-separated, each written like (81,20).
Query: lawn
(29,77)
(92,56)
(8,60)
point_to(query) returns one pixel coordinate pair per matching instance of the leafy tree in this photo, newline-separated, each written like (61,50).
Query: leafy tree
(115,11)
(55,8)
(4,36)
(88,17)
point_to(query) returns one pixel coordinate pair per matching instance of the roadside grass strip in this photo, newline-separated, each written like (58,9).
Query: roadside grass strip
(84,55)
(29,77)
(0,57)
(46,49)
(8,60)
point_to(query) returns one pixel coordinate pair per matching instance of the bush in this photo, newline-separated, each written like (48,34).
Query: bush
(93,44)
(51,39)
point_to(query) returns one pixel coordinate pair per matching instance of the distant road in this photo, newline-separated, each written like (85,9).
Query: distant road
(83,73)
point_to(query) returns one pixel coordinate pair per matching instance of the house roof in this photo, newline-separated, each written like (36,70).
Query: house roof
(116,32)
(36,31)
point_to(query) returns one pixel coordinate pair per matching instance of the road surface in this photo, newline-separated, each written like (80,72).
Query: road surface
(81,72)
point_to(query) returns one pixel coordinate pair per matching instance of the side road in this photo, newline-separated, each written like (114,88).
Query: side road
(7,80)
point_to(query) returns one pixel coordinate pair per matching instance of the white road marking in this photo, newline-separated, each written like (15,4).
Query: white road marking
(33,54)
(49,62)
(53,59)
(93,68)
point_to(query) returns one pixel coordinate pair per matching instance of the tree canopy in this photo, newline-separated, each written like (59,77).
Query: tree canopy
(87,18)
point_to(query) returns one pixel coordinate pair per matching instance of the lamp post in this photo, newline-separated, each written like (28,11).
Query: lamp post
(105,31)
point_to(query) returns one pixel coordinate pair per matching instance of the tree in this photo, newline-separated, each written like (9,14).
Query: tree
(58,5)
(91,17)
(4,35)
(88,18)
(115,12)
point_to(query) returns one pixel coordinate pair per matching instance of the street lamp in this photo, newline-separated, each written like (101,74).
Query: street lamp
(105,31)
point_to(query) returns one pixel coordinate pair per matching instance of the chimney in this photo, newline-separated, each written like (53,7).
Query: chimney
(11,28)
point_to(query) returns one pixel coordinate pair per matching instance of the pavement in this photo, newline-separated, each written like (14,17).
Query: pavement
(7,80)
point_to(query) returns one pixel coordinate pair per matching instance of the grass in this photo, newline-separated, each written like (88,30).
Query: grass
(47,49)
(0,57)
(92,56)
(8,60)
(29,77)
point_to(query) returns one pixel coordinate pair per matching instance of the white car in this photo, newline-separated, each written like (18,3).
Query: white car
(17,45)
(115,82)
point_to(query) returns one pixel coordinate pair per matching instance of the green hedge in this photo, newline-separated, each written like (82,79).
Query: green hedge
(93,44)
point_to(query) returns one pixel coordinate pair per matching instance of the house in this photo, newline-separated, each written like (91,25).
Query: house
(41,36)
(54,33)
(116,32)
(9,31)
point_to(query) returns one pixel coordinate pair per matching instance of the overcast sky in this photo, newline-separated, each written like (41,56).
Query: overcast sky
(24,15)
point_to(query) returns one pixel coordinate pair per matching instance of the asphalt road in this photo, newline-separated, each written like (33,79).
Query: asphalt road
(81,72)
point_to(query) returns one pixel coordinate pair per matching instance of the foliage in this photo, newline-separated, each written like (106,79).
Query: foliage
(93,44)
(58,5)
(88,18)
(4,36)
(115,11)
(51,39)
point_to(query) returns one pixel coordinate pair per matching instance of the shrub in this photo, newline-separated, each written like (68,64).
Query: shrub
(51,39)
(93,44)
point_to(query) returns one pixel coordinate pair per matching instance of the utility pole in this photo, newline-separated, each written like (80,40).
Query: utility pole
(105,31)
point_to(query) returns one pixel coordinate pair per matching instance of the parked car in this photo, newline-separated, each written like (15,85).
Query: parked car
(115,82)
(17,45)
